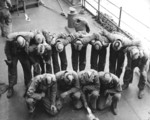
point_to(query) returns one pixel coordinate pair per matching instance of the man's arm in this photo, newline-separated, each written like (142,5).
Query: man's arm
(94,86)
(48,39)
(127,42)
(57,36)
(97,83)
(65,41)
(111,37)
(32,88)
(88,38)
(8,2)
(59,75)
(83,98)
(118,87)
(101,74)
(8,51)
(76,84)
(32,49)
(12,36)
(72,37)
(105,41)
(53,93)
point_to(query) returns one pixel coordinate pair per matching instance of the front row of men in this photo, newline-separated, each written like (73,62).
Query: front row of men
(88,88)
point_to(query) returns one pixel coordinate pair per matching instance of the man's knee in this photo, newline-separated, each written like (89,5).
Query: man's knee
(77,102)
(78,105)
(101,107)
(52,113)
(77,95)
(30,101)
(117,97)
(95,94)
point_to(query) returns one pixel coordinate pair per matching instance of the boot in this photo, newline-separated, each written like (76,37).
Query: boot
(114,109)
(77,104)
(141,94)
(10,92)
(31,109)
(125,86)
(59,104)
(3,88)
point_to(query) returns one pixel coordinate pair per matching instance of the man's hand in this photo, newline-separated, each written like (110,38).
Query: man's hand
(63,95)
(92,42)
(43,94)
(53,41)
(38,96)
(53,108)
(47,46)
(106,92)
(32,48)
(8,62)
(104,32)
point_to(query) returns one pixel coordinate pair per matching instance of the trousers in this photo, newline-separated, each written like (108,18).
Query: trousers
(63,60)
(116,61)
(141,63)
(98,59)
(12,69)
(78,58)
(5,22)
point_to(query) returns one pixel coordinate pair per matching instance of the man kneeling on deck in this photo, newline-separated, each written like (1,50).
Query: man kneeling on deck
(110,85)
(42,90)
(68,85)
(90,86)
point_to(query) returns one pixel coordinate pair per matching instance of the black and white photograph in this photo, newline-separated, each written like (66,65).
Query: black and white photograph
(74,59)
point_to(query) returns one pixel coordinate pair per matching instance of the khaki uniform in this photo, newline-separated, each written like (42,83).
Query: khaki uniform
(114,89)
(14,53)
(89,87)
(141,63)
(73,88)
(65,40)
(41,63)
(5,17)
(79,57)
(37,86)
(98,57)
(116,58)
(61,38)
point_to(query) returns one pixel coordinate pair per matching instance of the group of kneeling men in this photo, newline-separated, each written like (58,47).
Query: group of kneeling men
(88,88)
